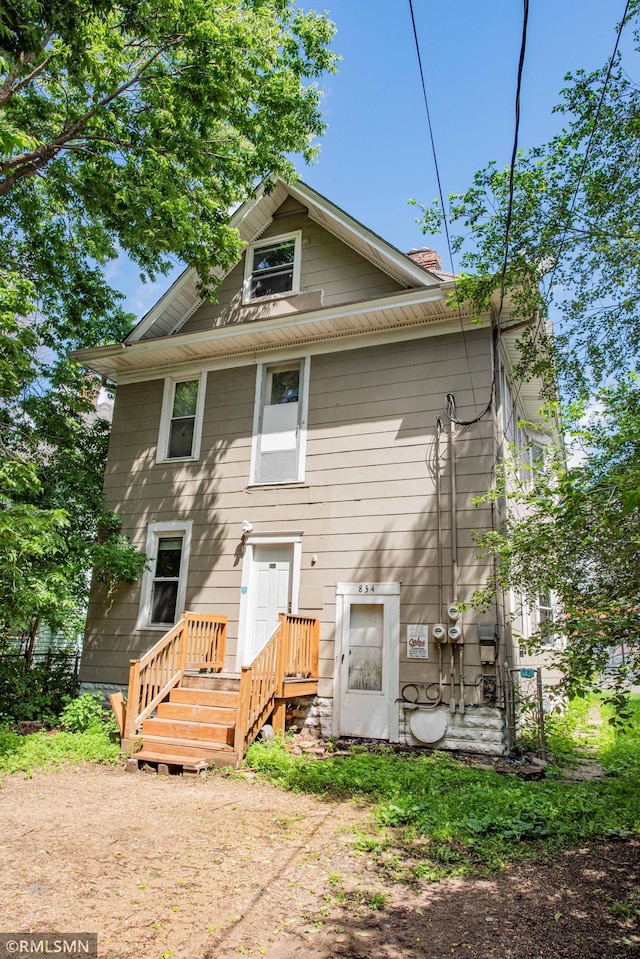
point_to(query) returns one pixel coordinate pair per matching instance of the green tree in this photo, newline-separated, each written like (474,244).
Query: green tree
(575,530)
(126,126)
(574,256)
(574,238)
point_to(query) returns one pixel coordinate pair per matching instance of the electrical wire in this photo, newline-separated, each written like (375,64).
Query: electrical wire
(514,153)
(514,156)
(540,321)
(440,190)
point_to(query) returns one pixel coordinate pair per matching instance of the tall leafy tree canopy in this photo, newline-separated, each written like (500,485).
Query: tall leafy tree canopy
(574,257)
(125,126)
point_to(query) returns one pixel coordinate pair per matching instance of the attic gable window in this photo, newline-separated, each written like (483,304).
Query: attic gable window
(272,268)
(181,419)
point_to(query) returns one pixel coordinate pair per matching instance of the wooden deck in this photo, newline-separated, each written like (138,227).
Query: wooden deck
(184,710)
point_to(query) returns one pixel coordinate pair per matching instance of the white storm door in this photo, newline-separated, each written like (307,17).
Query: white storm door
(270,592)
(368,660)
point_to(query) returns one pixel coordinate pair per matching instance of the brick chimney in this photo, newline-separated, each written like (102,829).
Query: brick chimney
(428,259)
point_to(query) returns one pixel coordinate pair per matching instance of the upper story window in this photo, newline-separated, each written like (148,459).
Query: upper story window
(181,419)
(279,432)
(272,268)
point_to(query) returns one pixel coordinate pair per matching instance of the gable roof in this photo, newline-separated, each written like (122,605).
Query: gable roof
(181,300)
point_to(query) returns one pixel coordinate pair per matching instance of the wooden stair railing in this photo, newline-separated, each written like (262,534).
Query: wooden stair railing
(302,647)
(197,641)
(291,650)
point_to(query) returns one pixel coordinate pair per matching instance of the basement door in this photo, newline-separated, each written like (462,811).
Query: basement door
(367,664)
(270,587)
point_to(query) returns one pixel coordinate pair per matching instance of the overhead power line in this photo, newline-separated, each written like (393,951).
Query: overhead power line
(583,166)
(444,213)
(514,157)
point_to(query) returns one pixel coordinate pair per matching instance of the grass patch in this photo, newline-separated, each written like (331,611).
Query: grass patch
(53,749)
(441,817)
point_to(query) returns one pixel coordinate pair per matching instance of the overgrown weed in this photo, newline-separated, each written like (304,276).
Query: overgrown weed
(53,749)
(448,818)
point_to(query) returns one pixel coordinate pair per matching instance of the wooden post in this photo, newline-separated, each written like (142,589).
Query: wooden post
(279,716)
(541,726)
(282,640)
(182,644)
(243,711)
(119,710)
(221,650)
(315,649)
(133,703)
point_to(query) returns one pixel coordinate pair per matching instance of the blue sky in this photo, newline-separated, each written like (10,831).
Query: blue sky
(376,153)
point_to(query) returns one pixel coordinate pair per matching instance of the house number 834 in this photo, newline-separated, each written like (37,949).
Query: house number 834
(366,588)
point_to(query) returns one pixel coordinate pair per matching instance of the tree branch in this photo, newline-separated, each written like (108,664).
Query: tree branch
(8,90)
(28,164)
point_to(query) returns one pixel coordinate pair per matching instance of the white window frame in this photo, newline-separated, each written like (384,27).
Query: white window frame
(170,383)
(156,532)
(248,264)
(262,378)
(550,609)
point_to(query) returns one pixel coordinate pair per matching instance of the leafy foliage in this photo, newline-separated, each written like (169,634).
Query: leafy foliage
(49,750)
(471,818)
(82,713)
(573,250)
(125,126)
(575,530)
(574,255)
(35,692)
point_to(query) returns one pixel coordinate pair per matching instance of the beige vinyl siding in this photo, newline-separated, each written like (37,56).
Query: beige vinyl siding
(367,507)
(327,264)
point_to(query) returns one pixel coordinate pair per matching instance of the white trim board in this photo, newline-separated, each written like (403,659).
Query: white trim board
(252,218)
(293,539)
(154,532)
(388,595)
(170,382)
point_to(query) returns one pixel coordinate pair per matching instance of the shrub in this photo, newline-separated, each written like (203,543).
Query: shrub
(35,692)
(82,713)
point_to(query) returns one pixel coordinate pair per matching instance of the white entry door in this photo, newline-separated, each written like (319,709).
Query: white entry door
(367,666)
(269,594)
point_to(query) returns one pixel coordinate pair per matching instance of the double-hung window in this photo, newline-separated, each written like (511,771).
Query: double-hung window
(181,419)
(164,581)
(545,616)
(280,423)
(272,268)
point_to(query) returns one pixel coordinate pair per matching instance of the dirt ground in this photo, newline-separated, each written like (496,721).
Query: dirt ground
(219,867)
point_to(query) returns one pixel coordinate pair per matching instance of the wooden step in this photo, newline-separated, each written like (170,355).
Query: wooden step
(170,759)
(204,697)
(222,681)
(177,747)
(195,713)
(186,757)
(182,730)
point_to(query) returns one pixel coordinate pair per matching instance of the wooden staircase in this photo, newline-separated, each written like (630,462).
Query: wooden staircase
(183,710)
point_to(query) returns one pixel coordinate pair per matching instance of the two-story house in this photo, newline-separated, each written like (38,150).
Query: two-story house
(306,450)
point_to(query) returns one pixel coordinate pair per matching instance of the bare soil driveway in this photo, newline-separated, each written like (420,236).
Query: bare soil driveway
(220,867)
